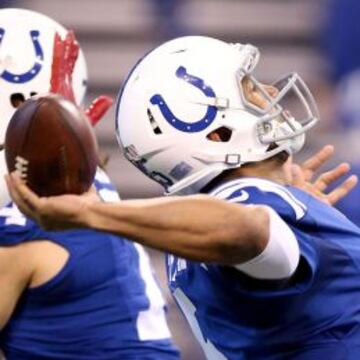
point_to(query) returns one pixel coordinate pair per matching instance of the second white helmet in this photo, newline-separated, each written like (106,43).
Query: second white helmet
(26,54)
(26,51)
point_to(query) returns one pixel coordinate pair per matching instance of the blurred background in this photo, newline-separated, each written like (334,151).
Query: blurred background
(318,39)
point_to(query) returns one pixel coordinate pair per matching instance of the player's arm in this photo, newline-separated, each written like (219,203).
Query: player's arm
(15,274)
(252,238)
(196,227)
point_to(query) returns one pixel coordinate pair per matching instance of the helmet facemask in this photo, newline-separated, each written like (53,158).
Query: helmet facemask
(287,115)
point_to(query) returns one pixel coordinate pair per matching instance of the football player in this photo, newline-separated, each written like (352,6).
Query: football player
(76,294)
(261,269)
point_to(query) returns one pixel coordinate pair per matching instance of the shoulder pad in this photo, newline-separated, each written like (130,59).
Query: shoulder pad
(104,187)
(262,192)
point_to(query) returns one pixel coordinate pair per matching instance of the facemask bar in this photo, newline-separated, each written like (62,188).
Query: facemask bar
(275,114)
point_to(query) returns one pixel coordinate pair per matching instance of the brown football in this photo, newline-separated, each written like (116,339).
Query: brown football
(50,143)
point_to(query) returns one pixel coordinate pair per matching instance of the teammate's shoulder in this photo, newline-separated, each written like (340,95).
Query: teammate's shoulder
(15,227)
(104,187)
(258,191)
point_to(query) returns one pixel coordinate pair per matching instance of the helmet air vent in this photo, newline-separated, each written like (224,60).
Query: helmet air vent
(221,134)
(17,99)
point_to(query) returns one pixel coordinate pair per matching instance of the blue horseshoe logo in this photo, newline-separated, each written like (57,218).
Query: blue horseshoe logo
(29,75)
(181,125)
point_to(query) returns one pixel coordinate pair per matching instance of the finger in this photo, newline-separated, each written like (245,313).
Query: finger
(16,197)
(331,176)
(316,161)
(27,200)
(297,176)
(344,189)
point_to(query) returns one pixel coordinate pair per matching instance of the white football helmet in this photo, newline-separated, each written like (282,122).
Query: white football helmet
(26,51)
(191,86)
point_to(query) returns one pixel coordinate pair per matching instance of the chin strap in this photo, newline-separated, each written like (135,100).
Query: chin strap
(65,55)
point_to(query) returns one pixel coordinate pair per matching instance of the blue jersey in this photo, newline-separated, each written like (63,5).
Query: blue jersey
(313,315)
(104,303)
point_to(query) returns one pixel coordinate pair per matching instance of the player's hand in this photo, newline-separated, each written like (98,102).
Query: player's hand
(65,55)
(302,177)
(52,213)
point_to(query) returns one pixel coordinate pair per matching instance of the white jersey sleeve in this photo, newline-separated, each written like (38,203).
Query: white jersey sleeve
(281,255)
(280,258)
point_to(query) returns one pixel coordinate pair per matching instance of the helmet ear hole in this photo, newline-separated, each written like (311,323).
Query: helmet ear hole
(17,99)
(221,134)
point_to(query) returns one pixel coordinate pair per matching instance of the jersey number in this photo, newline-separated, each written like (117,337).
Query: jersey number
(13,216)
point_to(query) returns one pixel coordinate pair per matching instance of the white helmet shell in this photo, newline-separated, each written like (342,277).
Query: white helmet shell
(189,87)
(26,51)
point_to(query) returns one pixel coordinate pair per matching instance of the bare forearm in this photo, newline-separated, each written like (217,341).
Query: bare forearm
(198,228)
